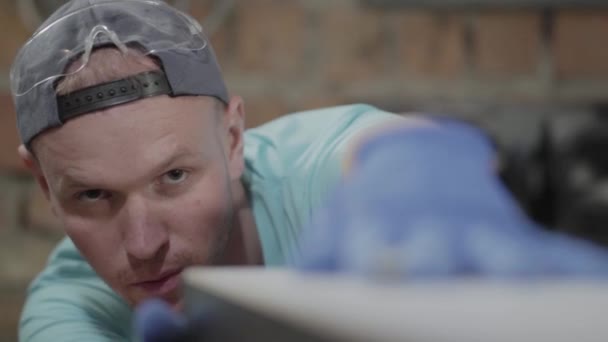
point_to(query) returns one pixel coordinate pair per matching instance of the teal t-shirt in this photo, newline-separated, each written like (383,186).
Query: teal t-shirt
(291,164)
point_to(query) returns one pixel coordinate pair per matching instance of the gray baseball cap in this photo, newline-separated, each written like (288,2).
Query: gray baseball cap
(189,65)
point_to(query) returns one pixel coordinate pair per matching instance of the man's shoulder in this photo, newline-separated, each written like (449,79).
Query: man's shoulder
(295,142)
(297,130)
(314,120)
(66,262)
(290,163)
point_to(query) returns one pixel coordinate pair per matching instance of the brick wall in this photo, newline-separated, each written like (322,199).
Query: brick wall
(285,56)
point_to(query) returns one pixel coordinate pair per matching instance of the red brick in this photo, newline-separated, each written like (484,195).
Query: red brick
(9,139)
(5,219)
(12,32)
(39,216)
(200,11)
(431,44)
(261,109)
(580,44)
(508,43)
(354,44)
(13,197)
(316,102)
(12,302)
(270,37)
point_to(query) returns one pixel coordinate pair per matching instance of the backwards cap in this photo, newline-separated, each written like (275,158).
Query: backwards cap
(189,65)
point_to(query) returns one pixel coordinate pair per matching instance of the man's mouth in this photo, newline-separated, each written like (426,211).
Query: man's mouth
(165,283)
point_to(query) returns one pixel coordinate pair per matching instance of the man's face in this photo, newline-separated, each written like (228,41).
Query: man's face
(143,190)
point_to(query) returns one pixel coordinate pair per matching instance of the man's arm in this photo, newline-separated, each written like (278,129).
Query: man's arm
(69,302)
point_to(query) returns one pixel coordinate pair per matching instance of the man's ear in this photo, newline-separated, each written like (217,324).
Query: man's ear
(234,118)
(30,162)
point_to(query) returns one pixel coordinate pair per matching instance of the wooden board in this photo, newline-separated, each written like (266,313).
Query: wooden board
(258,303)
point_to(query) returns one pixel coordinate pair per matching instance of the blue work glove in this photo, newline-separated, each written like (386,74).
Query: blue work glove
(426,203)
(155,321)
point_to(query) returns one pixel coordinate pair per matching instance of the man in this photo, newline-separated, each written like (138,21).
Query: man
(130,132)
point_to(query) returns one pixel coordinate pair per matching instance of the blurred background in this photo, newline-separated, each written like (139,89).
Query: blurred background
(534,73)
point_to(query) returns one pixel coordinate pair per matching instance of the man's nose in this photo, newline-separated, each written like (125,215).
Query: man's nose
(144,236)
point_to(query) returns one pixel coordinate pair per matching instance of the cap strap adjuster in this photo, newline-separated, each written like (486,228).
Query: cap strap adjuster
(106,95)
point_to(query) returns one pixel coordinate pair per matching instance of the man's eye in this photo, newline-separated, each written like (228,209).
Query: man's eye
(92,195)
(174,176)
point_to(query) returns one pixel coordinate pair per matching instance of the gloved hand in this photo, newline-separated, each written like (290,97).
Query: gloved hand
(155,321)
(426,203)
